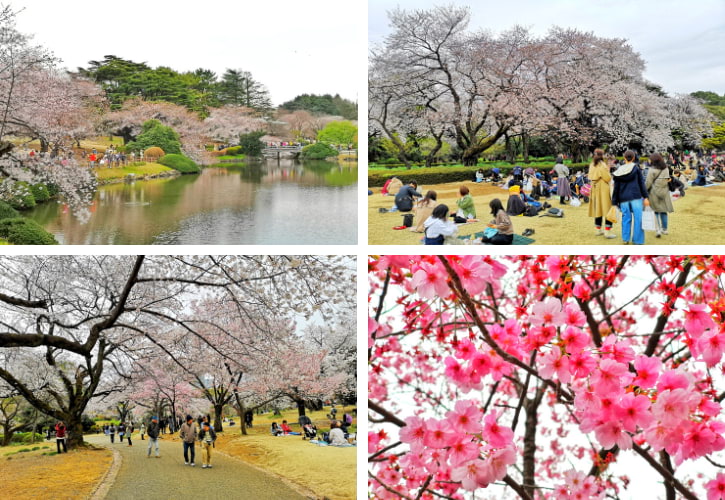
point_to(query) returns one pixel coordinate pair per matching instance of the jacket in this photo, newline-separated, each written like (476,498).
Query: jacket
(60,431)
(600,200)
(188,432)
(203,435)
(153,430)
(404,198)
(628,184)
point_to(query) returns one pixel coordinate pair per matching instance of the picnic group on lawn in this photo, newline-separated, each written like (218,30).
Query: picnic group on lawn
(638,194)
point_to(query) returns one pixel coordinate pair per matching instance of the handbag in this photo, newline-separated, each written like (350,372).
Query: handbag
(648,220)
(612,214)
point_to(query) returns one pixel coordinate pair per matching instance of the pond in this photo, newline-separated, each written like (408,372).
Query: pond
(269,203)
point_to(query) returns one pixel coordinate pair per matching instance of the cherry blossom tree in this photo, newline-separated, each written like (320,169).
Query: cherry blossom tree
(227,123)
(80,319)
(545,376)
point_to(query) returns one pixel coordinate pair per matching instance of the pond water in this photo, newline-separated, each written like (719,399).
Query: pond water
(270,203)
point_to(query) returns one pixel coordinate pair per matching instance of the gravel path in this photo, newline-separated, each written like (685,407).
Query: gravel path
(168,478)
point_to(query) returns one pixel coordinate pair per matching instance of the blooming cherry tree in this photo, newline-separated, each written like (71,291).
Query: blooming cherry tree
(541,377)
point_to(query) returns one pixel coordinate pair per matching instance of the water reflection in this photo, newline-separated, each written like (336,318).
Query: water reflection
(273,203)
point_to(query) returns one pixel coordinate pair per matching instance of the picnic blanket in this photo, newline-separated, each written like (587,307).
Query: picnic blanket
(518,239)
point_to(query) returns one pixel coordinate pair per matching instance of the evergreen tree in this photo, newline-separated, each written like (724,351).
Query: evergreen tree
(239,87)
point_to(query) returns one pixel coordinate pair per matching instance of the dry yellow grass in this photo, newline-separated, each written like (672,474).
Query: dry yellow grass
(69,475)
(698,219)
(329,472)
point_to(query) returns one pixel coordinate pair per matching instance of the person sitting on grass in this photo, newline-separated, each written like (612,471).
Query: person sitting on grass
(515,205)
(479,175)
(405,197)
(466,207)
(424,209)
(276,430)
(336,437)
(502,223)
(288,430)
(437,227)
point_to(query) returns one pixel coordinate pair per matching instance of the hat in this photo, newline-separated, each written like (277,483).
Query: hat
(538,175)
(515,189)
(154,418)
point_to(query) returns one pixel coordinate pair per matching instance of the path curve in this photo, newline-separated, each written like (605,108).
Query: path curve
(168,478)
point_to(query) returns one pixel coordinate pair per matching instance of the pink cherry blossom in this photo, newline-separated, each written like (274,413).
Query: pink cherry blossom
(430,281)
(648,369)
(547,313)
(553,362)
(716,487)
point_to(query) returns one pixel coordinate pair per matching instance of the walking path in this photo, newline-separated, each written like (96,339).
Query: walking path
(168,478)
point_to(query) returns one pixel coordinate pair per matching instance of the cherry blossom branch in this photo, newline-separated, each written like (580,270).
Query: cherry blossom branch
(669,477)
(387,416)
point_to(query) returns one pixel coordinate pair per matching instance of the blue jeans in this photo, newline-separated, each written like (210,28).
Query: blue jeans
(632,221)
(188,446)
(662,216)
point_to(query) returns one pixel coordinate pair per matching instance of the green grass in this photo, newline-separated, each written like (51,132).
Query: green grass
(230,157)
(3,241)
(105,174)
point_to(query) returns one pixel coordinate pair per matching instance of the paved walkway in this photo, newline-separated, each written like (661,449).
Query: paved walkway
(167,478)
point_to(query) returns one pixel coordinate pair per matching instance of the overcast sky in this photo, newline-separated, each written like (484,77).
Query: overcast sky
(292,47)
(681,41)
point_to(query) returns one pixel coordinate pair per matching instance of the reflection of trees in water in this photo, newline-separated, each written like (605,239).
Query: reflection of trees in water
(136,213)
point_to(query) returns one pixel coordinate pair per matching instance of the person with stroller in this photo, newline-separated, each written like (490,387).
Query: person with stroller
(309,430)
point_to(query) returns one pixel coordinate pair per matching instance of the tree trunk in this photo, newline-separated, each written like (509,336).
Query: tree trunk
(74,429)
(240,411)
(300,407)
(43,146)
(525,141)
(531,407)
(218,418)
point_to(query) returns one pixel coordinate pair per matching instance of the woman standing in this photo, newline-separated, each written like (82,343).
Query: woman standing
(630,195)
(60,436)
(600,199)
(502,223)
(657,185)
(562,180)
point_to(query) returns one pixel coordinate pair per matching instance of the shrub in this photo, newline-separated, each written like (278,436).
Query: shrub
(53,189)
(250,143)
(25,437)
(7,212)
(318,151)
(40,192)
(21,231)
(154,152)
(20,197)
(154,133)
(180,163)
(234,151)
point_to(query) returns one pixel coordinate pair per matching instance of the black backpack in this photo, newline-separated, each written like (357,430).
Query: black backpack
(408,220)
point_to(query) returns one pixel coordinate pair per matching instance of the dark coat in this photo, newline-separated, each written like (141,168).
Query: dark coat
(404,198)
(153,430)
(628,186)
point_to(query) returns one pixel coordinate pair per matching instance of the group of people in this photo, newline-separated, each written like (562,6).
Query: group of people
(629,185)
(124,430)
(338,435)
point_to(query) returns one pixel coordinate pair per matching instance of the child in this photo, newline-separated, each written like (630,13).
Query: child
(207,438)
(437,228)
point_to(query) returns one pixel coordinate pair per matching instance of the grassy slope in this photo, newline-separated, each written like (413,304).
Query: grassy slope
(44,474)
(328,471)
(105,173)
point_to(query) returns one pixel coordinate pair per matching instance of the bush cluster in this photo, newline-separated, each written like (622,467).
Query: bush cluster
(22,231)
(180,163)
(318,151)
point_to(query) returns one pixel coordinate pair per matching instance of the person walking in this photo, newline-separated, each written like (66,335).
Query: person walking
(630,195)
(121,432)
(142,430)
(153,433)
(60,436)
(657,185)
(600,198)
(563,190)
(129,431)
(207,438)
(188,433)
(112,432)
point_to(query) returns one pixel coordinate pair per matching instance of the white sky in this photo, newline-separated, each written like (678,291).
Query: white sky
(680,41)
(292,47)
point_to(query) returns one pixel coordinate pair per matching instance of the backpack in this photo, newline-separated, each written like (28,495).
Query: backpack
(348,419)
(531,211)
(408,220)
(553,212)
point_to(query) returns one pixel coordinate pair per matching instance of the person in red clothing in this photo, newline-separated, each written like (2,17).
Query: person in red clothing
(92,159)
(287,430)
(60,435)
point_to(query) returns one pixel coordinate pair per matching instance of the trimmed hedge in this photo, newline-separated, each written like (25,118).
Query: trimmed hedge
(180,162)
(442,175)
(7,212)
(21,231)
(318,151)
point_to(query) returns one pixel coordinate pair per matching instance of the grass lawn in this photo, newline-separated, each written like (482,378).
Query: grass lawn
(42,473)
(696,219)
(230,157)
(149,168)
(327,471)
(4,241)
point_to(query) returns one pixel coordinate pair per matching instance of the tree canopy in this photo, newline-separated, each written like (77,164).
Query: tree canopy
(323,105)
